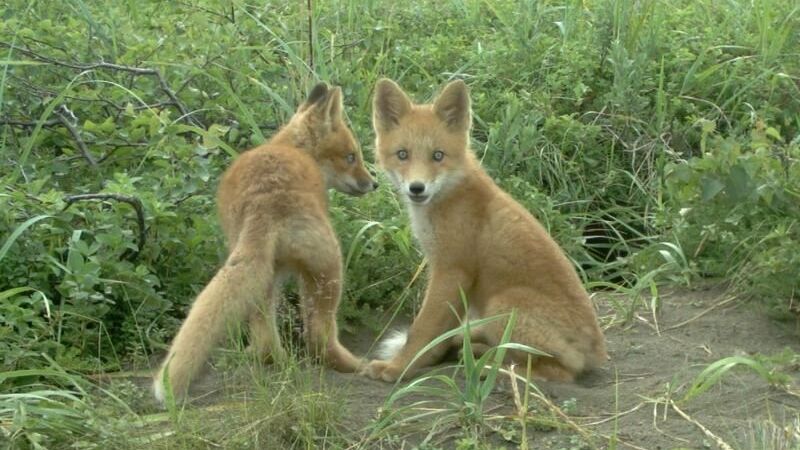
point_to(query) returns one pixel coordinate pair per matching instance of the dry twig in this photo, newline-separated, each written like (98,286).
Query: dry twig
(722,444)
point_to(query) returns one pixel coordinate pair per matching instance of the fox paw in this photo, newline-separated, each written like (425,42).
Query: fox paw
(381,370)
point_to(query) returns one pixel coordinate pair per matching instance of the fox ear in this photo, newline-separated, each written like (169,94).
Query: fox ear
(324,105)
(389,105)
(332,107)
(452,106)
(316,95)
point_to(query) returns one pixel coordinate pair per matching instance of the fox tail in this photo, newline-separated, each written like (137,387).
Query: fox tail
(237,288)
(391,344)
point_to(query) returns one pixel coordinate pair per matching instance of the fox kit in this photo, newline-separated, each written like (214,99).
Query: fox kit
(477,240)
(273,207)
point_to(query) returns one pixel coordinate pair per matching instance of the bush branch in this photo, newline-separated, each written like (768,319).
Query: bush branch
(185,113)
(29,124)
(60,113)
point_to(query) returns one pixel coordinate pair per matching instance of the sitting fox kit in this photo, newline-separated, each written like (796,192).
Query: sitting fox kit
(273,208)
(477,240)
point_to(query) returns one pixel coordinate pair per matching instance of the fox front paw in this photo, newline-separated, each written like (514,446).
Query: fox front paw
(381,370)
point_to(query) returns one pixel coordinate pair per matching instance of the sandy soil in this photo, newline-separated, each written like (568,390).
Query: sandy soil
(626,398)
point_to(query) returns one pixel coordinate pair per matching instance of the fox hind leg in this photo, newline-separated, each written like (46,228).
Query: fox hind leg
(320,301)
(320,291)
(534,329)
(265,339)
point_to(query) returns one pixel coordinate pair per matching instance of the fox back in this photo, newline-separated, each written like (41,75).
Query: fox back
(314,151)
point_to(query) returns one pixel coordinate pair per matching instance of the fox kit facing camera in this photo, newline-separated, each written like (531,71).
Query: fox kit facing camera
(477,240)
(273,206)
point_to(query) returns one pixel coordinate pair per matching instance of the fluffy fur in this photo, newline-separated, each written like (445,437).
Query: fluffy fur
(478,241)
(273,208)
(391,344)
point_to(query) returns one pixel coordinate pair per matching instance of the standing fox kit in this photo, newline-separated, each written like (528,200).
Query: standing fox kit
(273,207)
(477,240)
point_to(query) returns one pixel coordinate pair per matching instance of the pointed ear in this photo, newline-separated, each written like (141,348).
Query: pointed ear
(389,105)
(452,106)
(332,107)
(316,95)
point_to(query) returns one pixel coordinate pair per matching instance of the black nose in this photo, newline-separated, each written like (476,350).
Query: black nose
(416,188)
(365,185)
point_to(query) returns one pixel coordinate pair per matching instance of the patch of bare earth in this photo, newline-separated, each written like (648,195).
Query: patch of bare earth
(630,398)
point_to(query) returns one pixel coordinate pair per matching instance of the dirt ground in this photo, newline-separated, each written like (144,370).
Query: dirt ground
(626,398)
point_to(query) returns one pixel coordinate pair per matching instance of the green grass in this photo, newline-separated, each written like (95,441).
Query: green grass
(56,408)
(444,401)
(773,435)
(716,371)
(657,141)
(290,406)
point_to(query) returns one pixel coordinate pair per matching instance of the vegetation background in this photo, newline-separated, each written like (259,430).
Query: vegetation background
(658,141)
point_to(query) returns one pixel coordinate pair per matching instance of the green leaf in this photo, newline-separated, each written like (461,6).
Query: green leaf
(20,229)
(710,188)
(738,184)
(774,134)
(14,291)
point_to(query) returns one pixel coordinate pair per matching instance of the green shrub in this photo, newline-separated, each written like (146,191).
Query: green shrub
(736,208)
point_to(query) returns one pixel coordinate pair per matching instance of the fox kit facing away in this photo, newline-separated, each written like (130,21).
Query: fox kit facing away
(273,208)
(479,240)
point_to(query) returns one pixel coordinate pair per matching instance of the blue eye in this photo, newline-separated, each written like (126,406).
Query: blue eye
(438,155)
(402,154)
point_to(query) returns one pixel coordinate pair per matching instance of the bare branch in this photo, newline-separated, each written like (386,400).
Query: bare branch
(135,203)
(185,113)
(27,124)
(60,112)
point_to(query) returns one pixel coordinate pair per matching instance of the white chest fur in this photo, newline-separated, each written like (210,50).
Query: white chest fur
(422,226)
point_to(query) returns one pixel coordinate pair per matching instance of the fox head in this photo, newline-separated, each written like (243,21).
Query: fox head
(319,128)
(422,148)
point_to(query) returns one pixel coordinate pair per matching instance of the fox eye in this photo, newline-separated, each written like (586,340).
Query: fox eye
(351,158)
(402,154)
(438,155)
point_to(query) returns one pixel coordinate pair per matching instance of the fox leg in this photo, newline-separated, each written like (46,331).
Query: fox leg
(228,299)
(562,341)
(265,340)
(440,313)
(320,291)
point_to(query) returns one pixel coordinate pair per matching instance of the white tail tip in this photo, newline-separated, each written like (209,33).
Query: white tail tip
(158,391)
(391,344)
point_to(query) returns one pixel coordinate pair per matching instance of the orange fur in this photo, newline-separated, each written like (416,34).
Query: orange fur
(273,208)
(479,240)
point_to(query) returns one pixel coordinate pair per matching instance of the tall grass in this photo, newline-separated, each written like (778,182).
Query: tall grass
(654,147)
(452,398)
(56,408)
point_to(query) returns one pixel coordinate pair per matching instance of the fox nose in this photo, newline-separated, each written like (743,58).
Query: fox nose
(367,185)
(374,183)
(416,188)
